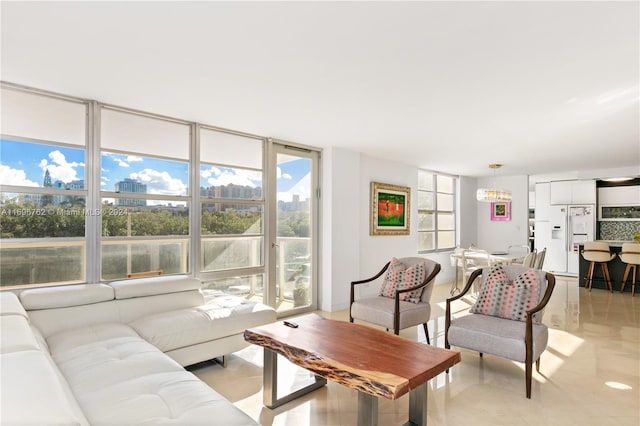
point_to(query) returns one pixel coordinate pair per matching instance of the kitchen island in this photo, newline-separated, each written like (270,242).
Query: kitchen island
(616,270)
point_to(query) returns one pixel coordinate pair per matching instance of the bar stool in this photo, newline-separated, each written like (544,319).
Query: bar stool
(630,255)
(598,253)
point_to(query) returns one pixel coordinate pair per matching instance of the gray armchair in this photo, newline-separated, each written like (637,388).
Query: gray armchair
(521,341)
(394,313)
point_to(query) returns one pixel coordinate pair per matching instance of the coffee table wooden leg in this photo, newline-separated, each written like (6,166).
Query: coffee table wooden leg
(270,383)
(418,405)
(367,409)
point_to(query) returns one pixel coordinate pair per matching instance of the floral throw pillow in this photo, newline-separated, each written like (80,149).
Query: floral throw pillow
(399,277)
(500,297)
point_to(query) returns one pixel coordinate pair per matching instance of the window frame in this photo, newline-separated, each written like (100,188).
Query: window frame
(436,210)
(83,242)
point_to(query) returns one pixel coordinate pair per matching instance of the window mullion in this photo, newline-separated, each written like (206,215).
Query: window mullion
(93,223)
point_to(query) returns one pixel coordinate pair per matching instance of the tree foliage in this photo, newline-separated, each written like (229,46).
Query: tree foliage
(25,220)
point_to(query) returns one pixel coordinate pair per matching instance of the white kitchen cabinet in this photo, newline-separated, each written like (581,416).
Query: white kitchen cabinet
(619,195)
(543,207)
(573,192)
(560,192)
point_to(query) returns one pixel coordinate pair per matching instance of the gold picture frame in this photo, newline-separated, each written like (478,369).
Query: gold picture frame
(390,208)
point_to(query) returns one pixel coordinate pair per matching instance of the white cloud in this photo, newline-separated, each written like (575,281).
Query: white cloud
(216,176)
(281,175)
(9,176)
(123,160)
(59,168)
(301,188)
(160,182)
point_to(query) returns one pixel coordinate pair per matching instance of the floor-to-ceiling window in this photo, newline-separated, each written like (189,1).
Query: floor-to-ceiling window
(293,225)
(232,210)
(144,187)
(43,160)
(94,192)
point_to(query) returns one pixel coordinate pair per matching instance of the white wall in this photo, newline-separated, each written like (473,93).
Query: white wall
(376,250)
(348,252)
(341,217)
(467,212)
(499,235)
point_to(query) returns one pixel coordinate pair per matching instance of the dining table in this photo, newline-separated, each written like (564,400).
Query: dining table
(479,256)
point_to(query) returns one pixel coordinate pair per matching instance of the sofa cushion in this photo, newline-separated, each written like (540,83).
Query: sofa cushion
(379,310)
(53,321)
(65,296)
(134,308)
(120,379)
(141,287)
(223,315)
(165,398)
(34,393)
(497,336)
(10,305)
(101,355)
(16,334)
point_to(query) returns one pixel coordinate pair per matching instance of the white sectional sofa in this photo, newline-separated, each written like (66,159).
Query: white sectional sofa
(113,354)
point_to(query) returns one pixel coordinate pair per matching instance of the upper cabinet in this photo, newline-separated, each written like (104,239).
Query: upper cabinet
(572,192)
(619,195)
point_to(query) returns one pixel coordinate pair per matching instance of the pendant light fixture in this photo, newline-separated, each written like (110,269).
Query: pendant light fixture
(493,194)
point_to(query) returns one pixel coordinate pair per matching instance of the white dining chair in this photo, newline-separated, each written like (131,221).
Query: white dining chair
(529,260)
(473,259)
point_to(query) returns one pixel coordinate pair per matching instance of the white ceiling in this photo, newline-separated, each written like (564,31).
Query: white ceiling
(449,86)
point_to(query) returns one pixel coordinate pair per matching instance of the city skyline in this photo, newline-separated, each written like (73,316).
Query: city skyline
(25,164)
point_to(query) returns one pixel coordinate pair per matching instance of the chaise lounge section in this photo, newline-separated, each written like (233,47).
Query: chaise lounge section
(114,353)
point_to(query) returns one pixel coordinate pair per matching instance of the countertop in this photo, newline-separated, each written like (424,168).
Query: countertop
(614,243)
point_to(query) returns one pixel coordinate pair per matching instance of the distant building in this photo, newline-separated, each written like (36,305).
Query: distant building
(232,191)
(75,184)
(294,205)
(130,185)
(46,200)
(69,200)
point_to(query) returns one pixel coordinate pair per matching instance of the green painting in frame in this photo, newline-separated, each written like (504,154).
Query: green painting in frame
(390,207)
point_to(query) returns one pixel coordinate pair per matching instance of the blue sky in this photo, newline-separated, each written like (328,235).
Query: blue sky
(24,164)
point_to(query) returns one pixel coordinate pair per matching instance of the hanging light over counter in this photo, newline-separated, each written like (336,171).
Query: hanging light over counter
(493,194)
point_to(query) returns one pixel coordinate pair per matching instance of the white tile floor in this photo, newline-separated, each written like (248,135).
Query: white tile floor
(590,374)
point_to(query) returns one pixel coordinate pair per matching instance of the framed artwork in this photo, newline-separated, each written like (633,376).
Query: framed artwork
(501,210)
(390,207)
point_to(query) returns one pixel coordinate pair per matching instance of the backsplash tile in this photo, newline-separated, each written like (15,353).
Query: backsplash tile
(618,230)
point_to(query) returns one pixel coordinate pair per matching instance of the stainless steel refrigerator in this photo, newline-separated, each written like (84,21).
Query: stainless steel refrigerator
(569,226)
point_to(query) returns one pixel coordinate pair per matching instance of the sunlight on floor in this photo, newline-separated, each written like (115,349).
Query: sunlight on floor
(590,373)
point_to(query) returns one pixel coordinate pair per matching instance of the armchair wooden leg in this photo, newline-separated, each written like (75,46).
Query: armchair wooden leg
(538,364)
(426,332)
(528,374)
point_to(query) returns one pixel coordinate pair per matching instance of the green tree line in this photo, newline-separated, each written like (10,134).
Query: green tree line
(19,220)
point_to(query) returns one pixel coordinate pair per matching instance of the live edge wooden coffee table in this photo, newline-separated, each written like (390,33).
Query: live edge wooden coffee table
(375,363)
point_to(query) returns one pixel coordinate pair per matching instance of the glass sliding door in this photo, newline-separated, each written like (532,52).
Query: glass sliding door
(293,225)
